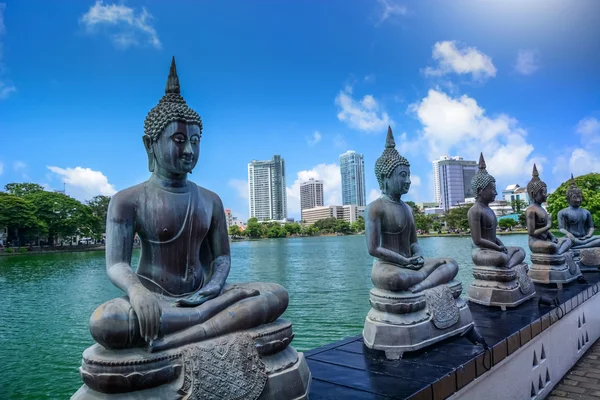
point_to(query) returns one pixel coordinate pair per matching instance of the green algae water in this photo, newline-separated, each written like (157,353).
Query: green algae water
(46,300)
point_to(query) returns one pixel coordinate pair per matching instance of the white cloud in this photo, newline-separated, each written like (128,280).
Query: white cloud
(370,78)
(589,129)
(583,162)
(123,24)
(465,60)
(583,159)
(527,62)
(332,186)
(241,186)
(460,125)
(390,9)
(373,195)
(365,114)
(6,88)
(415,181)
(316,138)
(19,166)
(84,183)
(339,142)
(406,146)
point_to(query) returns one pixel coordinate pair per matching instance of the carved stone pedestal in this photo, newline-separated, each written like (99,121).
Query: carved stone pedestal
(254,364)
(403,321)
(553,268)
(501,287)
(588,260)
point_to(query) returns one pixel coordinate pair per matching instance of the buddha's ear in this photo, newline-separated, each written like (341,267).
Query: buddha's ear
(149,151)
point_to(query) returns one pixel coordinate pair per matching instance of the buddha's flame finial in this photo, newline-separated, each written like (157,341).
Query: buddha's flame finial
(389,140)
(535,172)
(482,165)
(173,79)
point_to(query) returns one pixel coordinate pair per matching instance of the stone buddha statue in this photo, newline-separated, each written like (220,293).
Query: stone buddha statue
(500,274)
(577,224)
(550,260)
(416,300)
(180,327)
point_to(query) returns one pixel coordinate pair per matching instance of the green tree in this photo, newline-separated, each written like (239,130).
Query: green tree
(590,188)
(518,205)
(276,231)
(415,208)
(522,219)
(292,228)
(507,223)
(309,230)
(18,215)
(326,225)
(99,208)
(234,231)
(456,218)
(423,222)
(253,228)
(62,215)
(22,189)
(343,227)
(359,224)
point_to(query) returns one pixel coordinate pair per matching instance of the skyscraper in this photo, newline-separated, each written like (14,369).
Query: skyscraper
(311,195)
(352,168)
(452,180)
(266,189)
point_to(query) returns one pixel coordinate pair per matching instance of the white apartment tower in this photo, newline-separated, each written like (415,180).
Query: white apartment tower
(352,169)
(452,180)
(311,194)
(266,189)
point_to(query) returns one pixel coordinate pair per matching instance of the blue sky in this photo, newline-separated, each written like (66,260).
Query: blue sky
(307,80)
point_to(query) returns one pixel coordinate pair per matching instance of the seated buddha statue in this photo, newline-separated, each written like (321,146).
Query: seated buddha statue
(500,274)
(577,224)
(402,276)
(178,293)
(551,261)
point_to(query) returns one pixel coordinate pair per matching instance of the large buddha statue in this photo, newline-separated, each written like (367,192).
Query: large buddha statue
(500,273)
(416,301)
(181,330)
(550,260)
(577,224)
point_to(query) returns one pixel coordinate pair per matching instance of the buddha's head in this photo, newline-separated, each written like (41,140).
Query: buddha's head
(172,131)
(484,184)
(536,188)
(392,170)
(574,194)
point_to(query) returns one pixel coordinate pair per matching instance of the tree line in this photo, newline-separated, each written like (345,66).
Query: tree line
(33,214)
(272,229)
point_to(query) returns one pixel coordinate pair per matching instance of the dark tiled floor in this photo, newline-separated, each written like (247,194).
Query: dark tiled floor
(349,370)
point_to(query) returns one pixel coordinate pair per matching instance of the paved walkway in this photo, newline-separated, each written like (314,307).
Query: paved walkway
(583,380)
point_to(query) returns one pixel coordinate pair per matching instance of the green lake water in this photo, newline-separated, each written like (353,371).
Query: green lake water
(47,300)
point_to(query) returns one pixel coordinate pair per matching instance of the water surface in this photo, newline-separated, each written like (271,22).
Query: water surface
(47,300)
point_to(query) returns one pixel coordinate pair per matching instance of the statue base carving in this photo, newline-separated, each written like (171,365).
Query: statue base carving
(403,321)
(253,364)
(501,287)
(553,269)
(588,260)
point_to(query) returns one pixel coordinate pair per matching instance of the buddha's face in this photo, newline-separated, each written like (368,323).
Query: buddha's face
(575,199)
(489,193)
(541,195)
(398,182)
(177,148)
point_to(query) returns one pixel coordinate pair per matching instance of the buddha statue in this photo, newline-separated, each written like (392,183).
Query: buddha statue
(577,224)
(181,331)
(416,300)
(500,273)
(550,260)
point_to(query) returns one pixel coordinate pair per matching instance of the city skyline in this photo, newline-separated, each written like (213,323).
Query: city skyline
(305,81)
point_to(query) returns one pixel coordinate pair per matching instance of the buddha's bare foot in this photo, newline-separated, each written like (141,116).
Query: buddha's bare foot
(416,288)
(190,335)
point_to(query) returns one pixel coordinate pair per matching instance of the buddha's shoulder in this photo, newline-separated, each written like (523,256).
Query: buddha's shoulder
(129,195)
(206,195)
(375,207)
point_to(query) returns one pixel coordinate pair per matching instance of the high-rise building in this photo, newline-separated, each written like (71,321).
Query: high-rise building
(311,194)
(352,168)
(452,180)
(266,189)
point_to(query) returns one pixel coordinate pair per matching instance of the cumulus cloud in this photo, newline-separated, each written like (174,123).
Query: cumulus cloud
(84,183)
(315,138)
(583,159)
(527,62)
(6,88)
(241,186)
(373,195)
(589,129)
(462,61)
(389,9)
(461,125)
(365,114)
(332,186)
(125,26)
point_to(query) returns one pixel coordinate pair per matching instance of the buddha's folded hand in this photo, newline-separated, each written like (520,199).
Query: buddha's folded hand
(148,312)
(208,292)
